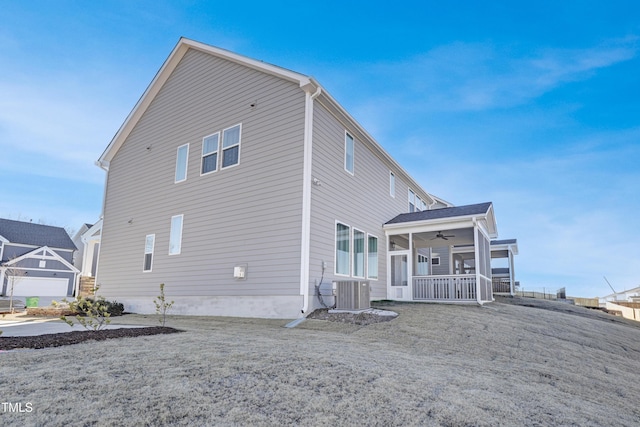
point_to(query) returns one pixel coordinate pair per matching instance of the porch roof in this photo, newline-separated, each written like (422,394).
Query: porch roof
(456,211)
(504,246)
(441,219)
(504,242)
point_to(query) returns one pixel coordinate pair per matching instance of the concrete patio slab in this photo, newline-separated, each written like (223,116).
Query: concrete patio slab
(14,326)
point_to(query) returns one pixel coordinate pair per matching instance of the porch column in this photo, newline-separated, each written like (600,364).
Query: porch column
(87,259)
(512,275)
(476,251)
(410,266)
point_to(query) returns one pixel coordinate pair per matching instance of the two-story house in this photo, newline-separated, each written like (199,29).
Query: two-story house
(247,189)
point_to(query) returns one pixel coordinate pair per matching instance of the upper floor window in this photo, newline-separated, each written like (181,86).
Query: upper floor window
(348,153)
(412,201)
(231,146)
(210,146)
(416,204)
(175,235)
(392,184)
(181,162)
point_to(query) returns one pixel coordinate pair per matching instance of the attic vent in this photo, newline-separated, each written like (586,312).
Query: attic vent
(352,295)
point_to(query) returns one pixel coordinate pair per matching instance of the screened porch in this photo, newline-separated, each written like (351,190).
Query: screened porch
(422,262)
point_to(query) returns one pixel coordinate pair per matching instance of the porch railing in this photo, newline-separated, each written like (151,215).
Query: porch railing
(501,285)
(457,287)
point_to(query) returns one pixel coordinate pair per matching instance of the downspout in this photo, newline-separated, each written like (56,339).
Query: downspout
(305,246)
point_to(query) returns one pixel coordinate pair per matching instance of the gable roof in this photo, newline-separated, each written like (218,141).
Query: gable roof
(440,219)
(169,66)
(27,233)
(307,83)
(43,252)
(456,211)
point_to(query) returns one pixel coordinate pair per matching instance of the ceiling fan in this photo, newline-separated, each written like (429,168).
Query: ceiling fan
(439,235)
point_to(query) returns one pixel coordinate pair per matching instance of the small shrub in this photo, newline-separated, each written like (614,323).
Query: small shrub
(162,306)
(114,308)
(93,312)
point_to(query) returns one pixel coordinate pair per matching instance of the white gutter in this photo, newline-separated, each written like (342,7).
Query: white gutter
(305,246)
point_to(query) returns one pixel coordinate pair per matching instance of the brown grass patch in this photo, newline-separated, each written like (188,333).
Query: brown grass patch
(497,365)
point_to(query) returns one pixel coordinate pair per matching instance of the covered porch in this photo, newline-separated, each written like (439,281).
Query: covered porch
(502,264)
(423,264)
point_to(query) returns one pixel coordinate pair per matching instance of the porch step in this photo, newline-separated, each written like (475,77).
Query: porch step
(87,285)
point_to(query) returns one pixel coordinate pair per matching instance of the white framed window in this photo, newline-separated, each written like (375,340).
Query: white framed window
(358,253)
(418,203)
(149,243)
(210,147)
(348,153)
(372,257)
(231,146)
(343,249)
(182,157)
(435,260)
(175,235)
(423,265)
(412,201)
(392,184)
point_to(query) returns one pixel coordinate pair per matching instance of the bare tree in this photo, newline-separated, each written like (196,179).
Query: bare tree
(14,274)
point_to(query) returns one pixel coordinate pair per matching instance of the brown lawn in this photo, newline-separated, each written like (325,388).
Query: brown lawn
(501,364)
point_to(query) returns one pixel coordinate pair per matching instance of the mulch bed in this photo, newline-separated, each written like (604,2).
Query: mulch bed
(76,337)
(363,318)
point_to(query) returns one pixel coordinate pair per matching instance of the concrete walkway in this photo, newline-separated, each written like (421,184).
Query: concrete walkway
(20,325)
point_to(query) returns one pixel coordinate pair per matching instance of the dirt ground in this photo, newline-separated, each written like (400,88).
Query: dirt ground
(503,364)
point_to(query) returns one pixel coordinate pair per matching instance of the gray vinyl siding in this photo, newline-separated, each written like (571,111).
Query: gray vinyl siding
(246,214)
(444,267)
(361,201)
(34,263)
(13,251)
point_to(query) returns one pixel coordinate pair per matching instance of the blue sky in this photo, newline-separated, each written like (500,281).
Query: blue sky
(534,106)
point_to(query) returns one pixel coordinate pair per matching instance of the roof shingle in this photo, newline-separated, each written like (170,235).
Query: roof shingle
(477,209)
(28,233)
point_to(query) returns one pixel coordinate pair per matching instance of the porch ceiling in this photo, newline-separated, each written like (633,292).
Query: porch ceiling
(459,236)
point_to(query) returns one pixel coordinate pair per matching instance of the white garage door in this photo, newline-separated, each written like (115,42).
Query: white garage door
(40,287)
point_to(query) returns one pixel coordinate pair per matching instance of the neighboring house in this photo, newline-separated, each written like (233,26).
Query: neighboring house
(37,260)
(630,295)
(78,256)
(247,190)
(87,240)
(504,280)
